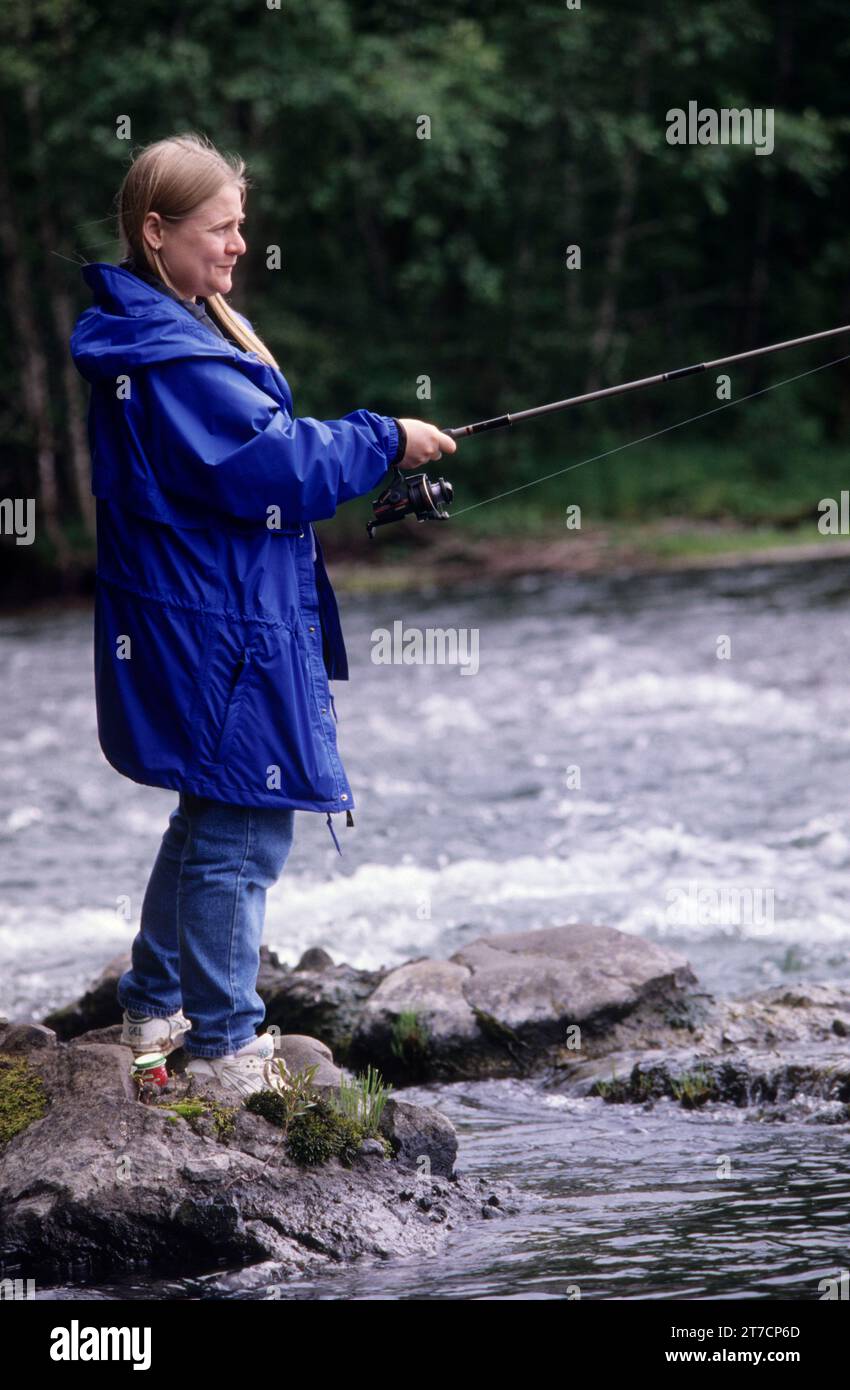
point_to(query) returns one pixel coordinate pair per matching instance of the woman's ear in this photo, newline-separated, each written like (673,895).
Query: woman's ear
(152,231)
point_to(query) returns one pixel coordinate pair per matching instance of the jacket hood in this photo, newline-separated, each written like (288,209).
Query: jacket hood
(132,324)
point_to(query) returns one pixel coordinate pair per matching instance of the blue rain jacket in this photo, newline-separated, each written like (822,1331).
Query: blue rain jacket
(215,628)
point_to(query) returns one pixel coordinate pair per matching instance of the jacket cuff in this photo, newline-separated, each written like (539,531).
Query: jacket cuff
(402,441)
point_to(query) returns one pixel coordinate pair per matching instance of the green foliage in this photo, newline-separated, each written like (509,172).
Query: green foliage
(292,1096)
(270,1106)
(363,1099)
(223,1116)
(317,1127)
(324,1133)
(427,277)
(184,1109)
(409,1038)
(693,1089)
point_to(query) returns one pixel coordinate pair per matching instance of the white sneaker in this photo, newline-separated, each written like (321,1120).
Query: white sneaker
(154,1034)
(249,1069)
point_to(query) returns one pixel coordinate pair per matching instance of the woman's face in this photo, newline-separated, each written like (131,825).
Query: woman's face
(200,251)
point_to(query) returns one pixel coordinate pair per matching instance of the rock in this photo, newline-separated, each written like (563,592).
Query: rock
(317,998)
(421,1137)
(20,1037)
(315,959)
(565,1003)
(760,1051)
(503,1004)
(300,1052)
(97,1008)
(102,1185)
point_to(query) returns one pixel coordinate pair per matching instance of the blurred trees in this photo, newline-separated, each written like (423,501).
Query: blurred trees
(446,257)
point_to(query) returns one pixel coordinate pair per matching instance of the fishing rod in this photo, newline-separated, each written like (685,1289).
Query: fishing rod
(427,500)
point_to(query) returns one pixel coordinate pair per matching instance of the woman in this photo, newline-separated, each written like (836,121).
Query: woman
(216,627)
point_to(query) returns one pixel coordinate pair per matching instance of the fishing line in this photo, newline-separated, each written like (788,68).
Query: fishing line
(643,440)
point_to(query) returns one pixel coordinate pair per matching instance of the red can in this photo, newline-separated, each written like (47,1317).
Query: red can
(150,1066)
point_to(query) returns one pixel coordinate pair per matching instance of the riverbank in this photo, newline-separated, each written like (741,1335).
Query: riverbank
(448,555)
(431,557)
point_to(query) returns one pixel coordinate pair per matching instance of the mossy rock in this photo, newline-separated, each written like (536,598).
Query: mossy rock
(324,1133)
(202,1115)
(22,1096)
(269,1104)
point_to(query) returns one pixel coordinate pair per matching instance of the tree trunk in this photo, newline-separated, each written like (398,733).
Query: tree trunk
(760,274)
(63,322)
(34,372)
(618,241)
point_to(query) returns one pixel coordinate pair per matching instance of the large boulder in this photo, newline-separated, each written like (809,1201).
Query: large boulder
(506,1004)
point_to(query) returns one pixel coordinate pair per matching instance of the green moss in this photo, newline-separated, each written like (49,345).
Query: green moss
(224,1116)
(315,1134)
(22,1096)
(324,1133)
(271,1106)
(184,1109)
(493,1028)
(310,1141)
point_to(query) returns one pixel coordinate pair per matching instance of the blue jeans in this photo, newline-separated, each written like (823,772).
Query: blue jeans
(202,921)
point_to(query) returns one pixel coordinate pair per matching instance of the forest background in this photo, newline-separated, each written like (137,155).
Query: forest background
(425,170)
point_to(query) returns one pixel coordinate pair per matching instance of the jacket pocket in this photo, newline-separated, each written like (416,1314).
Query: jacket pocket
(234,702)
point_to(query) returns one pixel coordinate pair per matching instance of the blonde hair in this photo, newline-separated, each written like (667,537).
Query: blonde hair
(172,177)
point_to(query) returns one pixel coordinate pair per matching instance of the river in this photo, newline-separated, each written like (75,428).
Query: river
(625,743)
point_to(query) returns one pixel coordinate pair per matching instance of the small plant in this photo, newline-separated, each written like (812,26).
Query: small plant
(643,1086)
(637,1087)
(290,1097)
(224,1118)
(692,1088)
(289,1100)
(363,1100)
(409,1037)
(271,1106)
(612,1090)
(315,1127)
(311,1141)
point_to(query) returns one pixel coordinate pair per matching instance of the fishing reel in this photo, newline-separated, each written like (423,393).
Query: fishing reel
(410,494)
